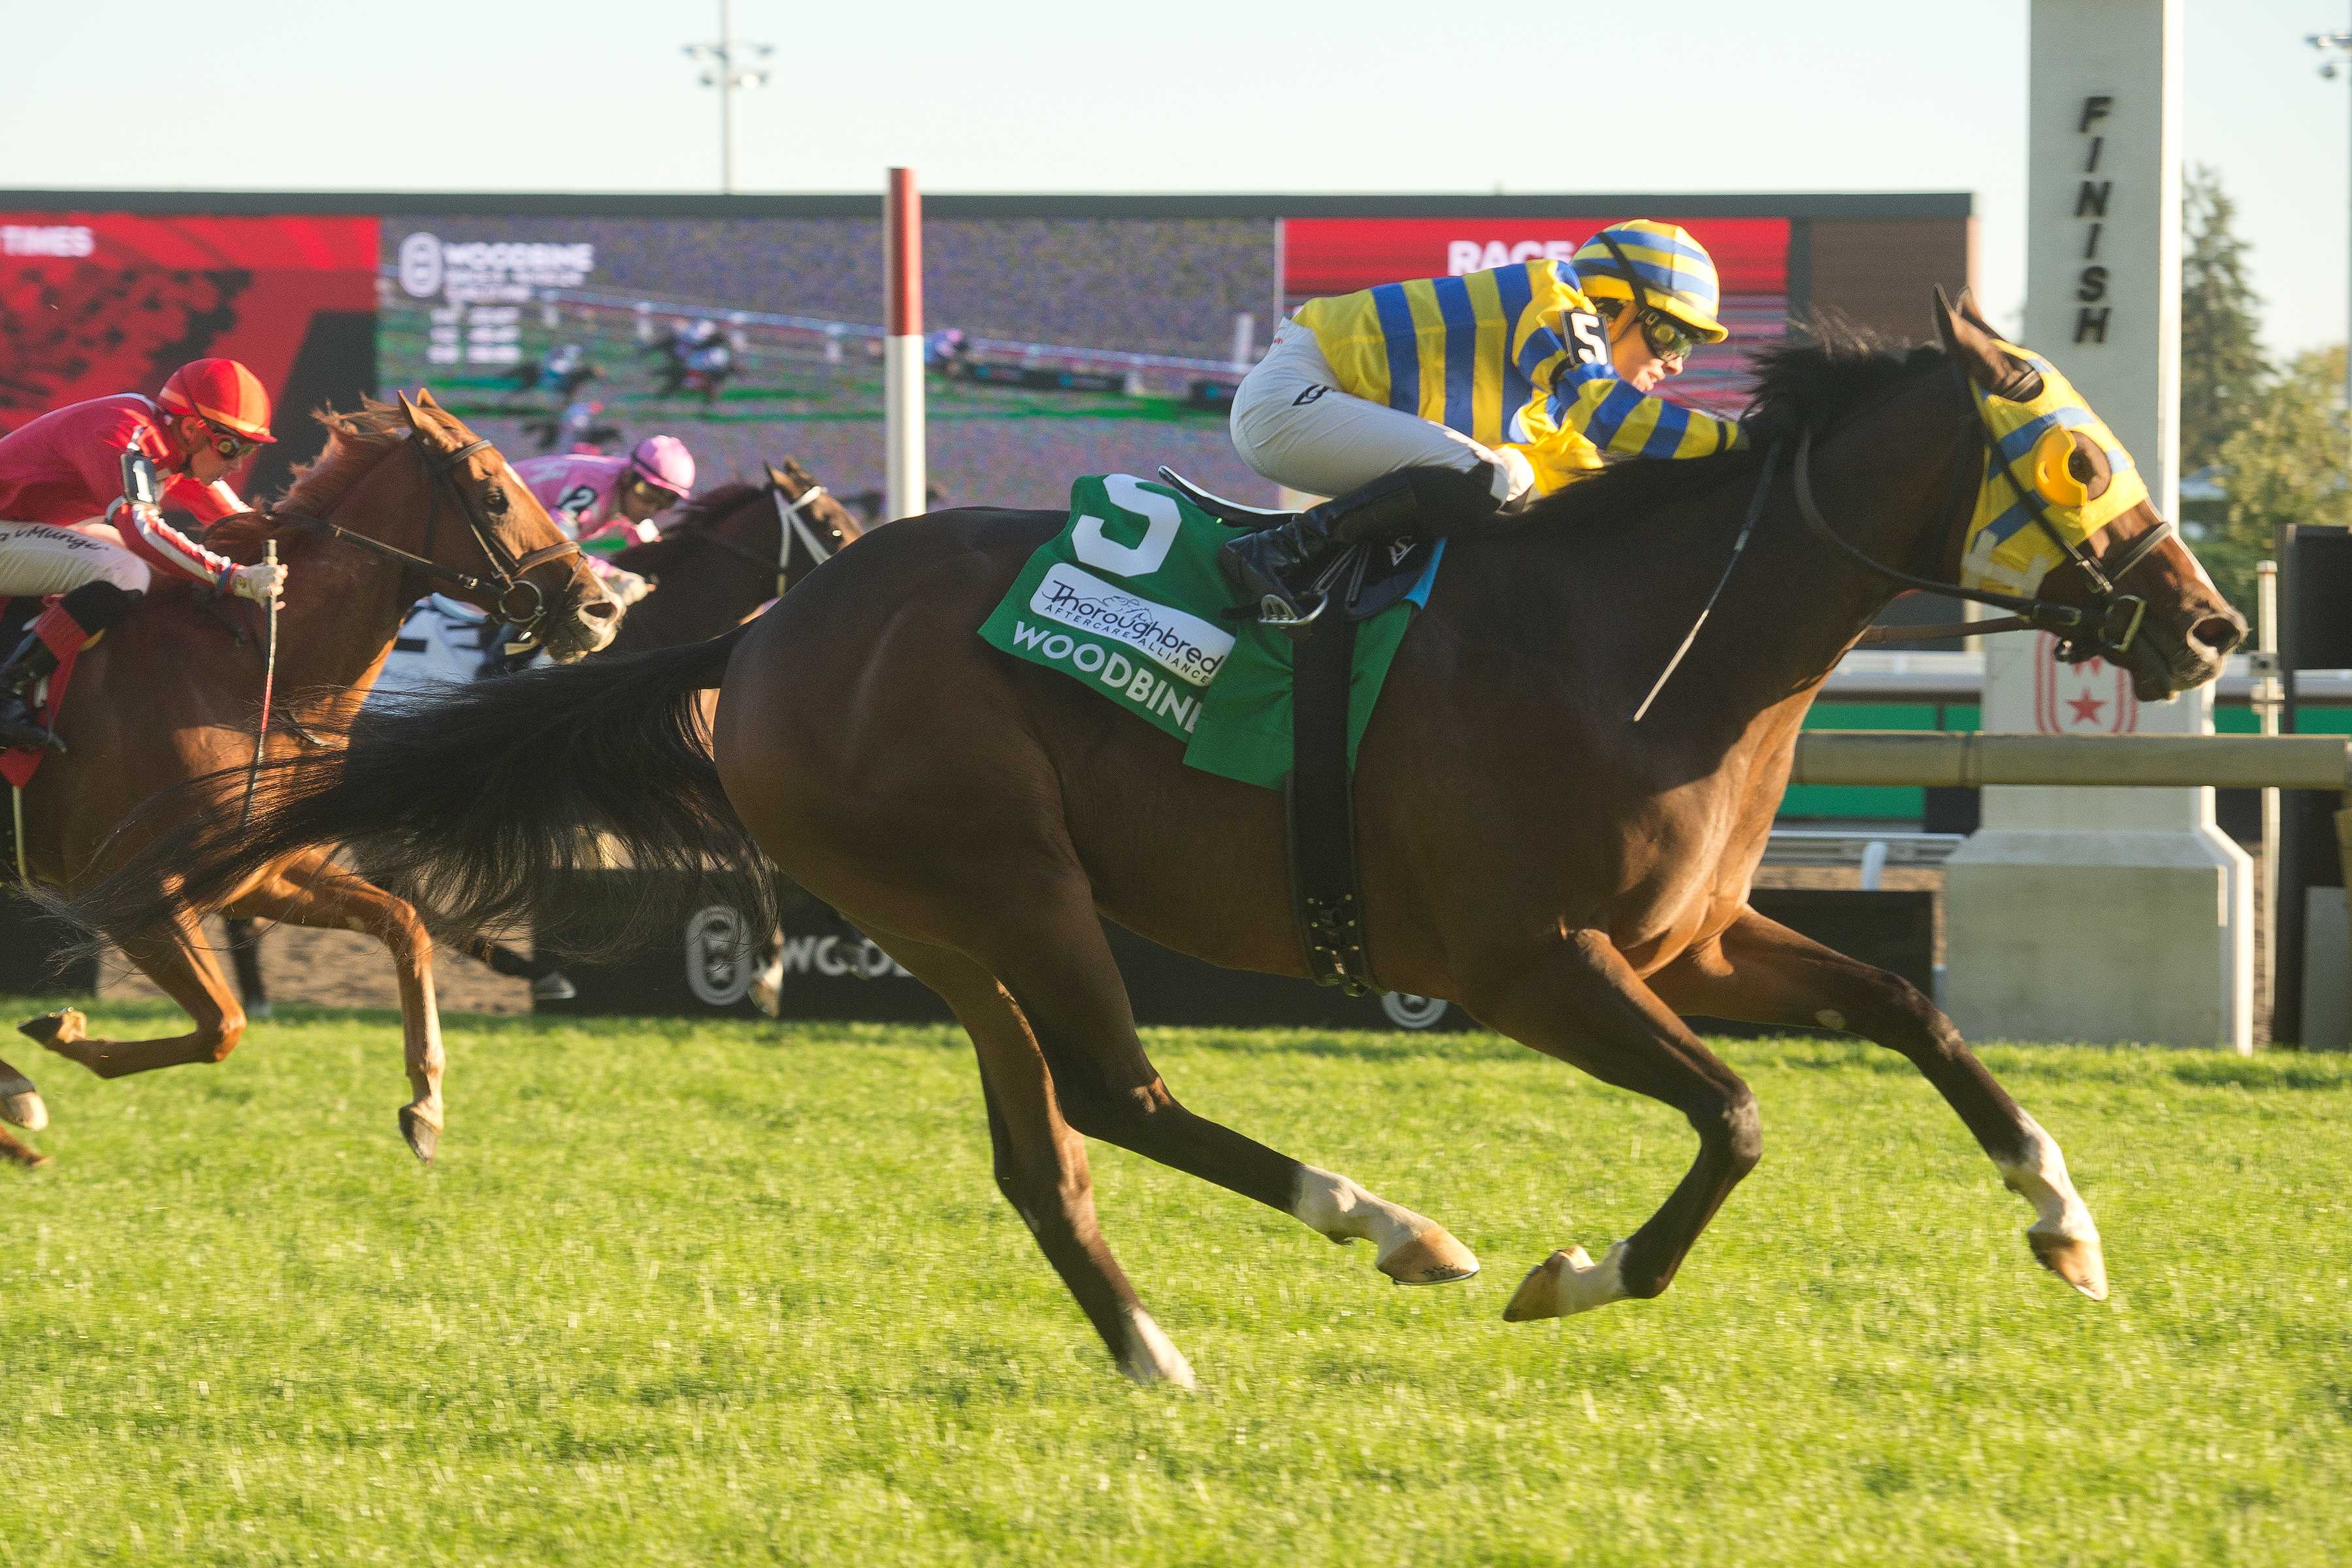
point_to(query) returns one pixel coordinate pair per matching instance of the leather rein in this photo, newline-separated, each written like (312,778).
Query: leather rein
(508,570)
(791,525)
(2106,629)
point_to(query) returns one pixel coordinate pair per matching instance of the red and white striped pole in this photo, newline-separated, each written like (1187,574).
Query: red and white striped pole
(902,347)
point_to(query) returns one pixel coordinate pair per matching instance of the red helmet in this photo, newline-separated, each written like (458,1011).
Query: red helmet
(220,392)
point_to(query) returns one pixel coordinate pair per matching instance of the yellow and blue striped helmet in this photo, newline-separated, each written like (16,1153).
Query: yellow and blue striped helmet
(1677,274)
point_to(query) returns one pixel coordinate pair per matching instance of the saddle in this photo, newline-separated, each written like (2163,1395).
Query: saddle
(1318,796)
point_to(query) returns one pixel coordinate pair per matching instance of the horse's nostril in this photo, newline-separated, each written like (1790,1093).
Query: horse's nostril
(601,609)
(2219,632)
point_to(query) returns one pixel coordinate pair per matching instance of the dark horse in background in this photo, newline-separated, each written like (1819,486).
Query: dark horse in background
(726,553)
(171,695)
(1575,879)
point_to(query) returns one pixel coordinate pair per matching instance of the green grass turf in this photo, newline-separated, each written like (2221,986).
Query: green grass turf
(711,1294)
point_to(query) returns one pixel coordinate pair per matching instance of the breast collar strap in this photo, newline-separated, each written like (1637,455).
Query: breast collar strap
(2107,629)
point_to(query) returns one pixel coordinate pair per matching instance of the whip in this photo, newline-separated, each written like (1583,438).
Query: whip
(268,680)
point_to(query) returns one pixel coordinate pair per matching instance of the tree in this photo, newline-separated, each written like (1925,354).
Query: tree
(2284,463)
(2222,368)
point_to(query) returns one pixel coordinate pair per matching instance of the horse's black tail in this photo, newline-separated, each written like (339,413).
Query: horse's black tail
(474,803)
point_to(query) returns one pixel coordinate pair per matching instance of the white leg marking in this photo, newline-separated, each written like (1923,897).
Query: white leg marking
(1331,1206)
(1150,1356)
(1567,1283)
(2041,1179)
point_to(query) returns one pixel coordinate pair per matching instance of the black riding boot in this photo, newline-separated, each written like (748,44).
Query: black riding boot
(1262,566)
(1421,504)
(20,725)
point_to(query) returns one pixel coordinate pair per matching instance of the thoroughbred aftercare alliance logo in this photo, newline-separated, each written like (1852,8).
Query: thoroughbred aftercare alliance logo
(1188,647)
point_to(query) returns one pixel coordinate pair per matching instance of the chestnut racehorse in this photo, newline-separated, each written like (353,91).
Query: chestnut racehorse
(1574,878)
(727,553)
(172,694)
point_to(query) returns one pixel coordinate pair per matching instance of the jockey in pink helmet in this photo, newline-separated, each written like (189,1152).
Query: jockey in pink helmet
(608,504)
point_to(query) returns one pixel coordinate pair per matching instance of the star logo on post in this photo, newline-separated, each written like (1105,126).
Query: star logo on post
(2093,698)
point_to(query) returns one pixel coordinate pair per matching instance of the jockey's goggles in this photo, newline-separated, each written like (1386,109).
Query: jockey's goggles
(227,443)
(1667,338)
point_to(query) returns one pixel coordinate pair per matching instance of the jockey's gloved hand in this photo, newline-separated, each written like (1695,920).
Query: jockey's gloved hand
(260,582)
(1761,426)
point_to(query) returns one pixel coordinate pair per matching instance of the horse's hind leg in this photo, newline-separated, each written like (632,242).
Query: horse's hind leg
(1041,1161)
(175,957)
(311,890)
(244,958)
(18,1153)
(1059,970)
(1760,972)
(1580,1001)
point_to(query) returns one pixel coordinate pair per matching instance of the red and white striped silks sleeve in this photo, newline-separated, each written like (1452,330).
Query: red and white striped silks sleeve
(158,543)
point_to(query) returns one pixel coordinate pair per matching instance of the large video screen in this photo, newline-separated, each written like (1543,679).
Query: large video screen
(93,303)
(1058,346)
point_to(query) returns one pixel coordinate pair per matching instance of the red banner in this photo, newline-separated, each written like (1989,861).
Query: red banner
(95,303)
(1342,255)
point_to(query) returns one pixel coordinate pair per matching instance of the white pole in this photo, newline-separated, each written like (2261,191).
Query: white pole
(905,487)
(2268,700)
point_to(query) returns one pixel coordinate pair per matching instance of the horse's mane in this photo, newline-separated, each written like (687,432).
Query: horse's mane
(354,442)
(1809,382)
(712,505)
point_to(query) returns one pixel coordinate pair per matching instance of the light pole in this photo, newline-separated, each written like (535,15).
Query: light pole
(722,72)
(2336,45)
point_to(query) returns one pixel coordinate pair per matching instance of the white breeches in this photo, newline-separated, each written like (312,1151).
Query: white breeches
(35,558)
(1293,425)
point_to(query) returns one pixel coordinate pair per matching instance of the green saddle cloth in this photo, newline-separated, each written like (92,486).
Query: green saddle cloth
(1126,600)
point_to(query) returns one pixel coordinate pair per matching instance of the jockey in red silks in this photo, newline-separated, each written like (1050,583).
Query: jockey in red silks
(608,504)
(67,529)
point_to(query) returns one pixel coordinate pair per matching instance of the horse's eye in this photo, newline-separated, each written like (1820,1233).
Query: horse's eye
(495,500)
(2079,467)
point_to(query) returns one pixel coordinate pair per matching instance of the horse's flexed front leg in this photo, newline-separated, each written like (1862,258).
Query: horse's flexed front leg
(1580,1001)
(20,1103)
(1760,972)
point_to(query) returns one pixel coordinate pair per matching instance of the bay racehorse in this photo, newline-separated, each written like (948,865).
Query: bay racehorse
(403,498)
(726,553)
(1574,878)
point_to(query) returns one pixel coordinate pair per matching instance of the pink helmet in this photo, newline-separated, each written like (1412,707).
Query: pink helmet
(664,462)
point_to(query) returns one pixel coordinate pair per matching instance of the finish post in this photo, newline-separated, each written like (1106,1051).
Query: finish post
(902,347)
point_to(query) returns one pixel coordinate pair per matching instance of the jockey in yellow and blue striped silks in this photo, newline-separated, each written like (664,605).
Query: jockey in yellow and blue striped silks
(2033,443)
(1526,356)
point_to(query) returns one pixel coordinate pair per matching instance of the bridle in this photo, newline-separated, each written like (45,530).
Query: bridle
(792,524)
(509,570)
(2106,629)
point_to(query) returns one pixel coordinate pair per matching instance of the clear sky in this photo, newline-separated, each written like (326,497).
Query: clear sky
(1198,95)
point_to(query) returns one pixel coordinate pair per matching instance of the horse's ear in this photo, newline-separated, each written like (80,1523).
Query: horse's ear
(408,410)
(776,475)
(425,398)
(1973,346)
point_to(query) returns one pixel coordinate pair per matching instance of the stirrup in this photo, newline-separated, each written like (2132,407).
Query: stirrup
(1276,612)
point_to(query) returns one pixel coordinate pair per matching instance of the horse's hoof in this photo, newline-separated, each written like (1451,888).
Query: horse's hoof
(1433,1257)
(1567,1283)
(422,1136)
(1151,1357)
(24,1107)
(55,1029)
(2079,1261)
